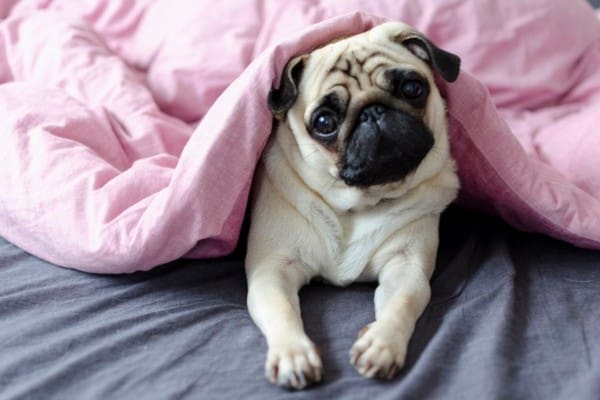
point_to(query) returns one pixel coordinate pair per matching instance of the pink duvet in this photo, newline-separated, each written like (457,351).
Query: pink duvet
(129,130)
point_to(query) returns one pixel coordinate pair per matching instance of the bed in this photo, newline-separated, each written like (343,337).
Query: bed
(513,315)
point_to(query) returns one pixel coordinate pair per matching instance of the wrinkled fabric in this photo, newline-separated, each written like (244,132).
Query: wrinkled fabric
(512,316)
(129,131)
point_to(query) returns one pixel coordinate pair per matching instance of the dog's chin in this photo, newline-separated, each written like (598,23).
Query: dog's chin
(386,189)
(365,181)
(370,194)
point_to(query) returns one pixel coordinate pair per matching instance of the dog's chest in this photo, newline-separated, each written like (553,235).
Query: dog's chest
(346,244)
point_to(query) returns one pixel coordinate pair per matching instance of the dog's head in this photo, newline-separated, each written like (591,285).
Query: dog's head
(365,108)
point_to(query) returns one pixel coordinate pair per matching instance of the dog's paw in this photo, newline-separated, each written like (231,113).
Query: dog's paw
(294,364)
(377,354)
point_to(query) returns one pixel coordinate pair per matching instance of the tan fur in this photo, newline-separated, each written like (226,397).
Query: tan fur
(306,222)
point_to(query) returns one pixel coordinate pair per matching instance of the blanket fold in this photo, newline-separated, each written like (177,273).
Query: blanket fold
(129,131)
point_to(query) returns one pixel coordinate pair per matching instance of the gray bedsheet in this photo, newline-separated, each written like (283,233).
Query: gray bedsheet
(513,316)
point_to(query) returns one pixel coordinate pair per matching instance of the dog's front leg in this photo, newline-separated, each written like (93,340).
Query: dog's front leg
(400,299)
(292,360)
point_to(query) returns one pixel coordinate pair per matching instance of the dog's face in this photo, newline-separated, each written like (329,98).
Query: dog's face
(365,110)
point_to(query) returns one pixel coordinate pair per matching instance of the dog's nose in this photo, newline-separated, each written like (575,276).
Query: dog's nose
(373,111)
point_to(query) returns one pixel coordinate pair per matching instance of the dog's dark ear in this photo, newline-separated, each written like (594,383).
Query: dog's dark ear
(280,100)
(446,64)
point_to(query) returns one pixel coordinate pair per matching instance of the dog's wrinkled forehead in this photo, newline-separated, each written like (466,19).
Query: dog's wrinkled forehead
(358,61)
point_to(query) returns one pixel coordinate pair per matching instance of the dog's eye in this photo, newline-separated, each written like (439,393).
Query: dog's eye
(325,124)
(412,88)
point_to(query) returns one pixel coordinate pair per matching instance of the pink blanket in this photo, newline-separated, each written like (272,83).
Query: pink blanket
(129,130)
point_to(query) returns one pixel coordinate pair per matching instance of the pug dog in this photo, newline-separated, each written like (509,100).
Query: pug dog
(350,188)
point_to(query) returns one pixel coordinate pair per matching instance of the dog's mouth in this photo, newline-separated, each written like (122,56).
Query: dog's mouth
(385,146)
